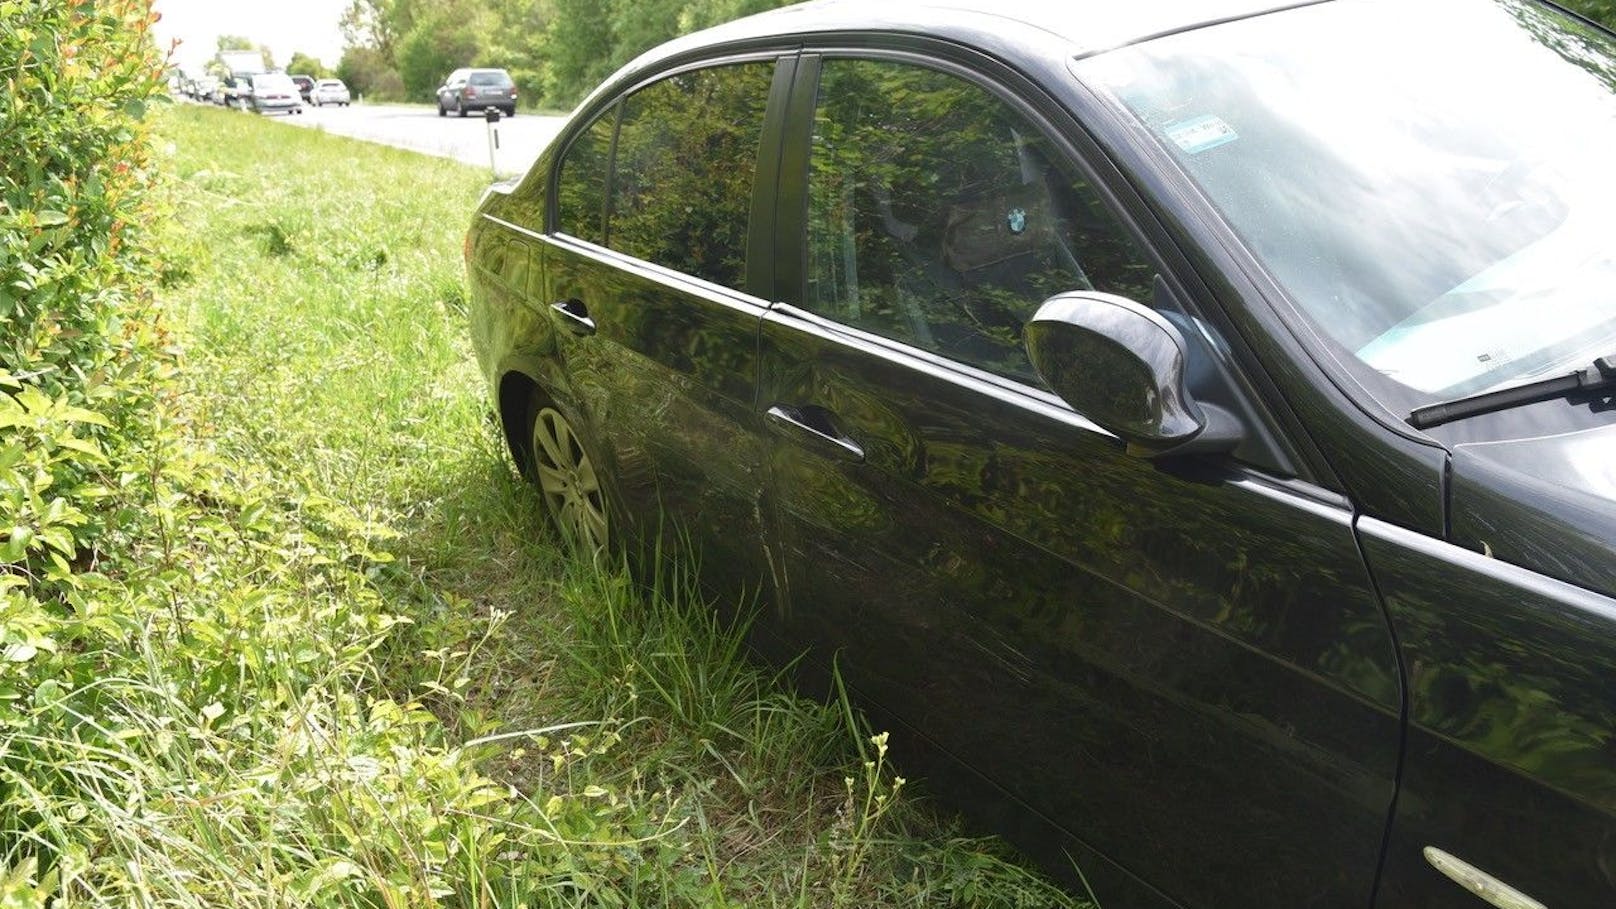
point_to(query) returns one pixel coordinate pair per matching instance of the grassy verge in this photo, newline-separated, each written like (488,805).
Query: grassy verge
(412,698)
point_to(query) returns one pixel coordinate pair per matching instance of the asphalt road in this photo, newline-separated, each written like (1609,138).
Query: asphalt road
(521,137)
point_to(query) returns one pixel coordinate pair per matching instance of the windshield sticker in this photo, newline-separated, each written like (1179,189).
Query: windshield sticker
(1198,135)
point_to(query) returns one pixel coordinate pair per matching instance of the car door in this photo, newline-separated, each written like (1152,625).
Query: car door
(1182,665)
(451,87)
(646,271)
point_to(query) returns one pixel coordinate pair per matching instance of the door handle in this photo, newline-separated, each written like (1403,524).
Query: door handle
(815,423)
(575,316)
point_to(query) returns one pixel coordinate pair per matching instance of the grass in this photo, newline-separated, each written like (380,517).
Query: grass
(456,714)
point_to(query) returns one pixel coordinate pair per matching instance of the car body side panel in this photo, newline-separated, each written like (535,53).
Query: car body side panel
(1511,756)
(1185,667)
(666,384)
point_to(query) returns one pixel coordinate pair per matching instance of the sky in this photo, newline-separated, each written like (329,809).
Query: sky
(309,26)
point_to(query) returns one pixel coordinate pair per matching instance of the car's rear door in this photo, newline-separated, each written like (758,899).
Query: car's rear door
(646,273)
(1183,665)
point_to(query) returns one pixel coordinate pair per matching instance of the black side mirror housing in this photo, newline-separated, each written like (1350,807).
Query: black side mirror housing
(1122,365)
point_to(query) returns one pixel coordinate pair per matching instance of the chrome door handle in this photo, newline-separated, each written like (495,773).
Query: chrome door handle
(816,424)
(576,316)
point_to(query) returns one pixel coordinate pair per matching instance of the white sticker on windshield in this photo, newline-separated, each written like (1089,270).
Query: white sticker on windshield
(1201,133)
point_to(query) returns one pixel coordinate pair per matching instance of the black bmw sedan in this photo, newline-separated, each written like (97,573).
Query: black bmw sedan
(1189,422)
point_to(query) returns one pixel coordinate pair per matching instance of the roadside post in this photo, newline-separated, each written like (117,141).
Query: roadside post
(491,117)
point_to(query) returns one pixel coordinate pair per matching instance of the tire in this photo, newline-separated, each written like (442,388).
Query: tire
(460,107)
(510,111)
(569,479)
(441,111)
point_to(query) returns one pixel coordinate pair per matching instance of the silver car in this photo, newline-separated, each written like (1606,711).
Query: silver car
(329,91)
(274,92)
(477,89)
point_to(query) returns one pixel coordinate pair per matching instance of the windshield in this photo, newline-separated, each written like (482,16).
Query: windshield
(273,83)
(1431,183)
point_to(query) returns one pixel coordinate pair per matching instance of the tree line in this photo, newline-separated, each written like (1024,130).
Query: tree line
(556,50)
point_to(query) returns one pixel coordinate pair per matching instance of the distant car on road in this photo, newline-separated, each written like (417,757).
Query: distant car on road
(274,92)
(225,91)
(329,91)
(477,89)
(305,85)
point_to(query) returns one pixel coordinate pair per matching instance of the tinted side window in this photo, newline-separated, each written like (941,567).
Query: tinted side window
(940,217)
(686,159)
(581,186)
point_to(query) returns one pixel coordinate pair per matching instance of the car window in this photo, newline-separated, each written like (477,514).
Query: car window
(940,217)
(581,186)
(490,79)
(686,157)
(272,82)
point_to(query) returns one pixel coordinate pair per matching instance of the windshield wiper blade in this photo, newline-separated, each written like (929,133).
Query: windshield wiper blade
(1598,377)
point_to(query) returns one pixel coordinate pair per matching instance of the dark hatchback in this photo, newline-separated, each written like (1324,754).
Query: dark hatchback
(1188,423)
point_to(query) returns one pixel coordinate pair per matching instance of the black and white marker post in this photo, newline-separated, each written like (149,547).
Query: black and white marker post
(491,117)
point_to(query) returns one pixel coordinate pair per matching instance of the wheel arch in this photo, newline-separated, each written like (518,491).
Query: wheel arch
(517,392)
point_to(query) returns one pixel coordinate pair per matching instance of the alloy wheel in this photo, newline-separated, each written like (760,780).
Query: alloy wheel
(569,482)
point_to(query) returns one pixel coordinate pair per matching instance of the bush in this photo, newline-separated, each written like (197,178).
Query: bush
(78,340)
(81,368)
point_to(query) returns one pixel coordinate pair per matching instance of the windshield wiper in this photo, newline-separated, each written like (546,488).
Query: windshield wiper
(1598,377)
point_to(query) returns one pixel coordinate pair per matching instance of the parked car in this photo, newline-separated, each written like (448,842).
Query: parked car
(329,91)
(467,90)
(269,92)
(305,85)
(202,88)
(1195,443)
(227,91)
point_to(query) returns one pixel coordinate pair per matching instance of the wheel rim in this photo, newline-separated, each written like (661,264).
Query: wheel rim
(569,482)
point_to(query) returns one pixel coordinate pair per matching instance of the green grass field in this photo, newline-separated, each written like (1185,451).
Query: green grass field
(486,722)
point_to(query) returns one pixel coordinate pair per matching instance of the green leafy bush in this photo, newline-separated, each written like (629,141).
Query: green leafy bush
(78,340)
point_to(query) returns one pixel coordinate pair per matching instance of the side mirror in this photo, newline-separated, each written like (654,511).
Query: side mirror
(1122,365)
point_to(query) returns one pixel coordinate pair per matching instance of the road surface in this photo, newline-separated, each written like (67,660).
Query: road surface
(521,137)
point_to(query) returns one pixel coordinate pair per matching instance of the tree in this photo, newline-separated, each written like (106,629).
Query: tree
(369,24)
(639,25)
(579,45)
(304,64)
(368,72)
(436,45)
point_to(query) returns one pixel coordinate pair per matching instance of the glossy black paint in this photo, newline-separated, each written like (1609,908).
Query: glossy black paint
(1149,638)
(664,383)
(1267,679)
(1511,760)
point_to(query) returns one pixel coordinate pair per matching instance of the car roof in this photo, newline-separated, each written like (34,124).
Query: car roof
(1088,26)
(1049,29)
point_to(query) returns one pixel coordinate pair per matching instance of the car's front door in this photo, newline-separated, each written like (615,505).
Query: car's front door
(1183,664)
(646,277)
